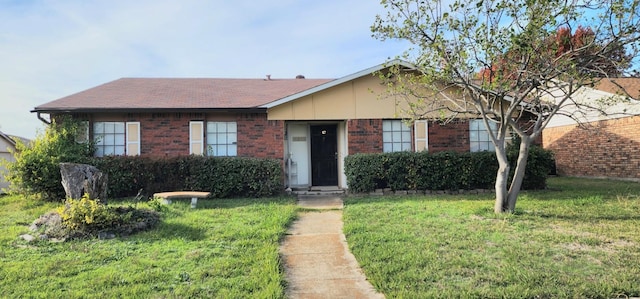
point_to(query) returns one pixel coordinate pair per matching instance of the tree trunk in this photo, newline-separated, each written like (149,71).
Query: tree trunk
(518,176)
(501,181)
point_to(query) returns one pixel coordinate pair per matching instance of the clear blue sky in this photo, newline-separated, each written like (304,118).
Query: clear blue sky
(51,49)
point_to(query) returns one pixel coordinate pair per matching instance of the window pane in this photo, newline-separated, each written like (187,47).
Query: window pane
(232,127)
(109,128)
(211,139)
(221,150)
(222,138)
(386,147)
(386,125)
(386,137)
(109,139)
(119,139)
(406,136)
(396,125)
(406,146)
(397,147)
(118,150)
(118,127)
(109,150)
(473,135)
(232,138)
(98,127)
(232,150)
(474,124)
(211,127)
(222,127)
(397,137)
(474,146)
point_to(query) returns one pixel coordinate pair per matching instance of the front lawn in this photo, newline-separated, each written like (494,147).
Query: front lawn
(579,239)
(223,249)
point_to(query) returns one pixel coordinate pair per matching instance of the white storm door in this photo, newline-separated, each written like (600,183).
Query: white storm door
(299,154)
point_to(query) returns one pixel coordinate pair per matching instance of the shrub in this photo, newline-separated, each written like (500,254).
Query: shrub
(86,214)
(87,217)
(438,171)
(36,170)
(222,176)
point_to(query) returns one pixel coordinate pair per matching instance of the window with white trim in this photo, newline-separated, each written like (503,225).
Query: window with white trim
(222,138)
(396,136)
(114,138)
(479,139)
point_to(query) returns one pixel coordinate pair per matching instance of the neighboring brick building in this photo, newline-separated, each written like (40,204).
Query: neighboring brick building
(605,145)
(309,124)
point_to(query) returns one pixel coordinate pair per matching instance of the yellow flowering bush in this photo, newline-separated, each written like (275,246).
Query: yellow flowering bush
(86,214)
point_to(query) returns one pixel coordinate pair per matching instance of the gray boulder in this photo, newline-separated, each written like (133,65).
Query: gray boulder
(78,179)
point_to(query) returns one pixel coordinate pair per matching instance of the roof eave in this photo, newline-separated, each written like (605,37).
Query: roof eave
(142,110)
(8,138)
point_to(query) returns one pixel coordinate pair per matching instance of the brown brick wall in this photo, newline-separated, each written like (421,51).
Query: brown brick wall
(365,135)
(163,134)
(259,137)
(167,134)
(608,148)
(453,136)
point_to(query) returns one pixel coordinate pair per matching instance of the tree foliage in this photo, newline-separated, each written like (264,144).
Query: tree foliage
(536,65)
(36,171)
(560,43)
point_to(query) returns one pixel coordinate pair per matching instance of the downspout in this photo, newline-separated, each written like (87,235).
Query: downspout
(48,122)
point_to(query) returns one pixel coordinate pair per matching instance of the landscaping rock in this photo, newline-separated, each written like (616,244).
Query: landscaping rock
(27,237)
(49,225)
(78,179)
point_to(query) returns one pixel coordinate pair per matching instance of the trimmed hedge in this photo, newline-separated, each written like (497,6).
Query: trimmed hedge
(222,176)
(439,171)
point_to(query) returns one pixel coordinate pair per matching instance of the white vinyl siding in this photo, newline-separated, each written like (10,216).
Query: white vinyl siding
(479,139)
(196,138)
(396,136)
(222,138)
(116,138)
(421,132)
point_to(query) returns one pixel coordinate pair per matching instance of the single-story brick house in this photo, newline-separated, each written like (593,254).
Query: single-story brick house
(606,145)
(309,124)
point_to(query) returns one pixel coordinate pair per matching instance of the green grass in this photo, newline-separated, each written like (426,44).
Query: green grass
(222,249)
(579,239)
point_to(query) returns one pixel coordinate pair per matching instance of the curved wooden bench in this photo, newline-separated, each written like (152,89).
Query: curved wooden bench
(194,195)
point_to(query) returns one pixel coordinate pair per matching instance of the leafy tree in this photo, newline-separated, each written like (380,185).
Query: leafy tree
(36,171)
(562,42)
(530,79)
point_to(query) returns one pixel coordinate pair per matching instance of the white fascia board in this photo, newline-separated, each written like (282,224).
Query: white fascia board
(339,81)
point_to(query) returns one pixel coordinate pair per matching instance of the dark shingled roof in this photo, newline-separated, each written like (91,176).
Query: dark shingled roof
(180,93)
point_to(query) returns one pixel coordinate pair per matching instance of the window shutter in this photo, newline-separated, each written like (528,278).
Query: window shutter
(421,132)
(133,139)
(196,138)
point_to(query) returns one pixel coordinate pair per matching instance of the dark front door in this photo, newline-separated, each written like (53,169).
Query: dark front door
(324,155)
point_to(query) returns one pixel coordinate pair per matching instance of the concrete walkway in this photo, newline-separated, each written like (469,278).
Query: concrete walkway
(316,257)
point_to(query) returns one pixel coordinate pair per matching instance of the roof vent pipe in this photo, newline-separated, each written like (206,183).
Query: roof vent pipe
(300,77)
(268,77)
